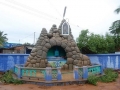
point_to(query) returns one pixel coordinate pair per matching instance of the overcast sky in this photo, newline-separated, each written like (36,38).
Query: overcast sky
(21,18)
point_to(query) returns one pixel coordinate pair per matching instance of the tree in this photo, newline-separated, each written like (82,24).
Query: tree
(3,38)
(117,10)
(95,43)
(26,43)
(115,30)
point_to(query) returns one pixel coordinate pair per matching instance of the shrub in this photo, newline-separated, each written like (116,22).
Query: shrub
(110,76)
(8,78)
(92,80)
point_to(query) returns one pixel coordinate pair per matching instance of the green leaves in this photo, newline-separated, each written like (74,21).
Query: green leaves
(95,43)
(92,80)
(8,78)
(109,76)
(115,30)
(117,10)
(3,38)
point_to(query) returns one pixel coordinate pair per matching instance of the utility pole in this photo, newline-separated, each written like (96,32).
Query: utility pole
(34,38)
(19,41)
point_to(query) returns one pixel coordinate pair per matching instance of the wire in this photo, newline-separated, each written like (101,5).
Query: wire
(35,10)
(27,36)
(30,8)
(26,11)
(54,8)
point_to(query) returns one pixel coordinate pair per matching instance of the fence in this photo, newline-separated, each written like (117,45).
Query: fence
(7,61)
(49,74)
(106,60)
(85,71)
(40,73)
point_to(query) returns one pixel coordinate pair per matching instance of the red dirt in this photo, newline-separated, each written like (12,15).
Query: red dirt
(100,86)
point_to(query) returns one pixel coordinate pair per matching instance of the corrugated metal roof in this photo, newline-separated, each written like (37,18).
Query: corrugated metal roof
(29,47)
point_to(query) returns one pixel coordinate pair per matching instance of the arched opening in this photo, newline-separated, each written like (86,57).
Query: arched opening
(56,56)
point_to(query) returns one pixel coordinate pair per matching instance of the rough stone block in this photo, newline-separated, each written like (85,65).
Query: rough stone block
(43,43)
(34,65)
(77,49)
(72,48)
(30,57)
(45,49)
(34,50)
(33,61)
(66,67)
(27,63)
(74,52)
(63,45)
(58,43)
(39,52)
(33,54)
(50,35)
(47,45)
(67,49)
(75,62)
(38,60)
(43,55)
(30,65)
(69,60)
(37,65)
(70,66)
(74,57)
(69,54)
(52,42)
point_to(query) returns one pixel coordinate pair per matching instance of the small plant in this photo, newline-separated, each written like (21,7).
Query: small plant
(92,79)
(8,78)
(110,76)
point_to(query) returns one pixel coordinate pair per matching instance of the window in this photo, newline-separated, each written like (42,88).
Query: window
(65,28)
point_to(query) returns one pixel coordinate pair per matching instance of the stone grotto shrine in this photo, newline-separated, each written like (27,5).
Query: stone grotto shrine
(58,44)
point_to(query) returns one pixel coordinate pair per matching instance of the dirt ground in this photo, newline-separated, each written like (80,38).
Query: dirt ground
(100,86)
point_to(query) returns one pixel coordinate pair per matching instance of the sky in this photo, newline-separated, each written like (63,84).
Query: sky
(23,20)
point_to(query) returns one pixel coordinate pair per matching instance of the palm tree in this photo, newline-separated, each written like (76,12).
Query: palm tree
(117,10)
(115,29)
(3,38)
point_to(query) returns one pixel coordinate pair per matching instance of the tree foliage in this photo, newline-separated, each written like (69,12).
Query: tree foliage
(26,43)
(115,30)
(95,43)
(3,38)
(117,10)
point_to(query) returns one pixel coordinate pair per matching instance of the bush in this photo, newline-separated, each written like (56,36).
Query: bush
(92,80)
(110,76)
(8,78)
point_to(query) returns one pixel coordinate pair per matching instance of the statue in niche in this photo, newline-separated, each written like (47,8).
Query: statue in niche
(65,29)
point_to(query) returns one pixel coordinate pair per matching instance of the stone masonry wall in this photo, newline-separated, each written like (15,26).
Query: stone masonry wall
(38,55)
